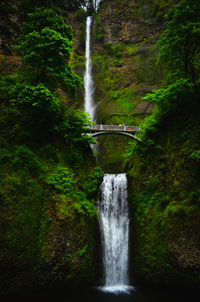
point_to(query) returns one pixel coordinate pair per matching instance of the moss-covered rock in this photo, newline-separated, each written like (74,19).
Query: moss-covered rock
(124,68)
(48,227)
(48,194)
(124,61)
(165,201)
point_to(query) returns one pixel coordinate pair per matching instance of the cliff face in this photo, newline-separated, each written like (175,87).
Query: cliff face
(124,62)
(164,189)
(49,238)
(130,22)
(48,232)
(165,203)
(48,193)
(126,32)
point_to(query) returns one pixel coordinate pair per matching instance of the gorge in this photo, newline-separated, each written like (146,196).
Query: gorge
(112,206)
(49,177)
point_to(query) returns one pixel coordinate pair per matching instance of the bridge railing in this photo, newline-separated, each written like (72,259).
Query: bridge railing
(114,128)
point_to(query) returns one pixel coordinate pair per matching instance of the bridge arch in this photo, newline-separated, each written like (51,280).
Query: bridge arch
(115,132)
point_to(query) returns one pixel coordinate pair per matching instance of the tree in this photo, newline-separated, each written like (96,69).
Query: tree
(180,44)
(28,6)
(8,25)
(46,46)
(47,116)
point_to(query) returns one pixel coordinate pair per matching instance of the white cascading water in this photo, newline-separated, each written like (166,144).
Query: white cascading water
(114,225)
(113,206)
(88,79)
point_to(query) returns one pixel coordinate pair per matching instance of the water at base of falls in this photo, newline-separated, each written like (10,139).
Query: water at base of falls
(117,289)
(114,226)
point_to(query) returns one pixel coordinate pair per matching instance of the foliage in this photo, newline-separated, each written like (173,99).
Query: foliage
(48,209)
(83,197)
(80,17)
(61,6)
(28,183)
(196,155)
(114,50)
(93,182)
(168,101)
(46,18)
(100,38)
(165,195)
(179,45)
(180,42)
(6,85)
(24,158)
(38,97)
(46,48)
(47,115)
(164,167)
(124,98)
(61,179)
(41,111)
(77,122)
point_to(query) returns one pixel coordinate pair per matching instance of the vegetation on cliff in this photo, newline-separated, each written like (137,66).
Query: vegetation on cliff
(49,179)
(125,68)
(165,167)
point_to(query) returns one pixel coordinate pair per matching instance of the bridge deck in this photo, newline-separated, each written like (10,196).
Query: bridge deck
(113,128)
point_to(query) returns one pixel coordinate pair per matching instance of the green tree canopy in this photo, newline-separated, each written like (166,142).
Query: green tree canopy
(42,18)
(28,6)
(179,49)
(180,44)
(46,47)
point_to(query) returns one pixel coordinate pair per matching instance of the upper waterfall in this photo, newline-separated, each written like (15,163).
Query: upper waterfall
(88,79)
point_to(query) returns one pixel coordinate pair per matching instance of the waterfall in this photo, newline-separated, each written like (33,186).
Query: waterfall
(114,226)
(88,80)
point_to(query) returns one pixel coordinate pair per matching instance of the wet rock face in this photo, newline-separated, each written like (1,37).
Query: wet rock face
(124,59)
(124,69)
(144,107)
(77,22)
(184,243)
(129,22)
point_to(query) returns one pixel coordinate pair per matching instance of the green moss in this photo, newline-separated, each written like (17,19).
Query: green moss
(165,201)
(48,209)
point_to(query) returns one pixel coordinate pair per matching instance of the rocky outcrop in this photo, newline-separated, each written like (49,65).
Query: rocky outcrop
(124,57)
(129,22)
(125,69)
(183,242)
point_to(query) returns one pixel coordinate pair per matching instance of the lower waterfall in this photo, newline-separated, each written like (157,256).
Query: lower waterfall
(114,227)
